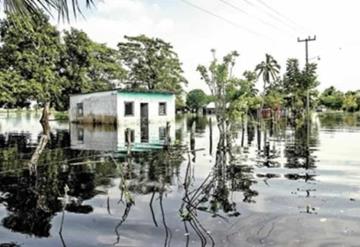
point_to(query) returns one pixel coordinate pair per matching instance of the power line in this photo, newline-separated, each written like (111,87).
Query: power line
(271,15)
(277,12)
(246,13)
(222,18)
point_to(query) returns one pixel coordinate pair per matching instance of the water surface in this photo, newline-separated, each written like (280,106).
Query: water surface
(268,186)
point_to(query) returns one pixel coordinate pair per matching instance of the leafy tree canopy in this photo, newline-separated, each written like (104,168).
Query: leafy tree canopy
(233,96)
(332,98)
(196,99)
(296,82)
(350,102)
(151,64)
(30,53)
(86,66)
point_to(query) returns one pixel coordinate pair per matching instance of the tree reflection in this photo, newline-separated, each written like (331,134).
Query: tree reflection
(299,151)
(214,194)
(30,202)
(333,121)
(149,173)
(199,123)
(32,199)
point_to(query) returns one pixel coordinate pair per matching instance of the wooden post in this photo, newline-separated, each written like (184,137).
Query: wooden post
(128,140)
(167,135)
(210,136)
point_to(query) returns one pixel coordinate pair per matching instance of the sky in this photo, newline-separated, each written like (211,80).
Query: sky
(251,27)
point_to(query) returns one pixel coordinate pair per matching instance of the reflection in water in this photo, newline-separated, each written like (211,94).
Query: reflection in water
(32,200)
(214,194)
(334,121)
(153,192)
(299,150)
(145,137)
(148,173)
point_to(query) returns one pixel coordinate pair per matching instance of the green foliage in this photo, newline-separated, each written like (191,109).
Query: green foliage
(196,99)
(8,82)
(295,84)
(349,103)
(30,10)
(332,98)
(61,115)
(86,66)
(233,97)
(151,64)
(268,69)
(273,99)
(30,54)
(36,65)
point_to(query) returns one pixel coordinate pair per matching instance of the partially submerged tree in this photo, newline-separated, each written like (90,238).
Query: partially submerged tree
(233,97)
(196,99)
(295,84)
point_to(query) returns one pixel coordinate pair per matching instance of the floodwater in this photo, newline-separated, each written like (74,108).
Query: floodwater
(266,186)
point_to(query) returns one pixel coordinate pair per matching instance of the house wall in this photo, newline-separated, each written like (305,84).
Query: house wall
(152,99)
(100,107)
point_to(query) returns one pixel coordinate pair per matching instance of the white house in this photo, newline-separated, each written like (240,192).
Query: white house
(148,115)
(122,107)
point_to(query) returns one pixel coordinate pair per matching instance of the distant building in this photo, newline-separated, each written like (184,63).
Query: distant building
(122,107)
(209,108)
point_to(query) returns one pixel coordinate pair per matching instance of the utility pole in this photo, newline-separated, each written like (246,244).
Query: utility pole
(307,40)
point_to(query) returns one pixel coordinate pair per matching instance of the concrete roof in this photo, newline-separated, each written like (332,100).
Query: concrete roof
(128,91)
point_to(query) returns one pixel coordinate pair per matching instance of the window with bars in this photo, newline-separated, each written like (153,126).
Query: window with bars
(162,108)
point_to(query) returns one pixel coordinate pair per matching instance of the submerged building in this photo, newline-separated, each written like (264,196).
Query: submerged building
(148,115)
(121,106)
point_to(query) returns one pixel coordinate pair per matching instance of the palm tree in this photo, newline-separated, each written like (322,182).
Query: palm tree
(269,69)
(63,8)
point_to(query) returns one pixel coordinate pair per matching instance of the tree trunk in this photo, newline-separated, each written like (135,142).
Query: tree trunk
(43,140)
(44,120)
(39,148)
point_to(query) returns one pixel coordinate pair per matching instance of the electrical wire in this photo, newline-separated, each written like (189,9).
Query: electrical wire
(223,19)
(252,16)
(271,15)
(277,12)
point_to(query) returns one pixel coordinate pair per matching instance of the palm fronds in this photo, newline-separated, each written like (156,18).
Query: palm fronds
(64,8)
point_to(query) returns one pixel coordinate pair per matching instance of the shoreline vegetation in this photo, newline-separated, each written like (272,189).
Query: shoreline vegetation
(53,116)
